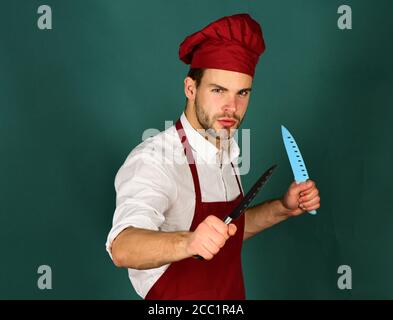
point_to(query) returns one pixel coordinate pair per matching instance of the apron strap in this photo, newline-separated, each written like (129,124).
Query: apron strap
(190,159)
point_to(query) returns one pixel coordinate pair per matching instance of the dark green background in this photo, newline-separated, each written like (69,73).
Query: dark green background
(75,101)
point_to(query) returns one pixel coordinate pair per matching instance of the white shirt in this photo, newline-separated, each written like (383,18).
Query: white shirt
(155,190)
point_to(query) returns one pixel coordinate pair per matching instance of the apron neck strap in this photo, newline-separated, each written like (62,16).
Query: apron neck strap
(191,161)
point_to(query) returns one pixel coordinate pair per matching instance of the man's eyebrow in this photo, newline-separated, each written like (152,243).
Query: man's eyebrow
(217,86)
(246,89)
(223,88)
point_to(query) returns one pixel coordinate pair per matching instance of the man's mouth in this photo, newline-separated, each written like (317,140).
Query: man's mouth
(226,122)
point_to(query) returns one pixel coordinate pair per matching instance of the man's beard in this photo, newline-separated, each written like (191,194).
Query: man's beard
(207,123)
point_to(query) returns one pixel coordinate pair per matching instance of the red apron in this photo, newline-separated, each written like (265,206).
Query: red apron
(217,279)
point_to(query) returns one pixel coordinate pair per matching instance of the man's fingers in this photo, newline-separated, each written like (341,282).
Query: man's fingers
(306,185)
(205,253)
(313,207)
(212,234)
(309,195)
(211,247)
(218,225)
(308,191)
(217,238)
(296,188)
(232,229)
(310,204)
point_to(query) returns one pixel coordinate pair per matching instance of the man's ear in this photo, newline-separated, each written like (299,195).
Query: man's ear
(190,88)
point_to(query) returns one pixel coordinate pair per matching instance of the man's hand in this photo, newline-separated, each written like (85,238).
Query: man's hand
(300,198)
(209,237)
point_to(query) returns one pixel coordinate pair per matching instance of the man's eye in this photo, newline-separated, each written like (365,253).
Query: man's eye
(244,93)
(217,90)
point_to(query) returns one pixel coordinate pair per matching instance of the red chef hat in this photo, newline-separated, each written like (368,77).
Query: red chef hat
(231,43)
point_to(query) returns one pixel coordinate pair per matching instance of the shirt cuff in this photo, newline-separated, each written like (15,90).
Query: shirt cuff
(139,221)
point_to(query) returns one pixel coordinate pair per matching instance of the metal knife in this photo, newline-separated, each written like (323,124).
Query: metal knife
(295,158)
(243,205)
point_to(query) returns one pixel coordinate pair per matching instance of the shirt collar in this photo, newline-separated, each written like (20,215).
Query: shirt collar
(205,149)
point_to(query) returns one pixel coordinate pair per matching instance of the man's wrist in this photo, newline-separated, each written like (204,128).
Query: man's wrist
(279,212)
(182,245)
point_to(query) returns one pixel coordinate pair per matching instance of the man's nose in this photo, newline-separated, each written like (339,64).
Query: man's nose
(230,104)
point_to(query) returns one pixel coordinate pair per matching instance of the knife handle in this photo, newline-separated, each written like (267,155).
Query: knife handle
(313,212)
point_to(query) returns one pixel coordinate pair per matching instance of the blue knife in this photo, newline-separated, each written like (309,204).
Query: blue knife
(295,158)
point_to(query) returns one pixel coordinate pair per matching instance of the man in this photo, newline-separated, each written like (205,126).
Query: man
(170,210)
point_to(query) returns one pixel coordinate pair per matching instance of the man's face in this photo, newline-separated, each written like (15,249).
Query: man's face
(221,101)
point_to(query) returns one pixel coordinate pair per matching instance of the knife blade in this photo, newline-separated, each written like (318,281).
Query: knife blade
(243,205)
(295,158)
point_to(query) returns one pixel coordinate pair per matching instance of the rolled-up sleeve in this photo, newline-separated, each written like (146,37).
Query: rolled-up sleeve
(144,192)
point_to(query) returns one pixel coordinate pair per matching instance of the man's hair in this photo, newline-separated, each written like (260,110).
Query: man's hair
(196,74)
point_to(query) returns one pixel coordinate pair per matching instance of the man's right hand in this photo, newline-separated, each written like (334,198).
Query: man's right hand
(209,237)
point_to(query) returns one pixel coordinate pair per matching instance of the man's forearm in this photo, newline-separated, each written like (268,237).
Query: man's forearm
(263,216)
(145,249)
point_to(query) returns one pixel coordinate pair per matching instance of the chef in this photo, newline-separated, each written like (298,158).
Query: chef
(174,188)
